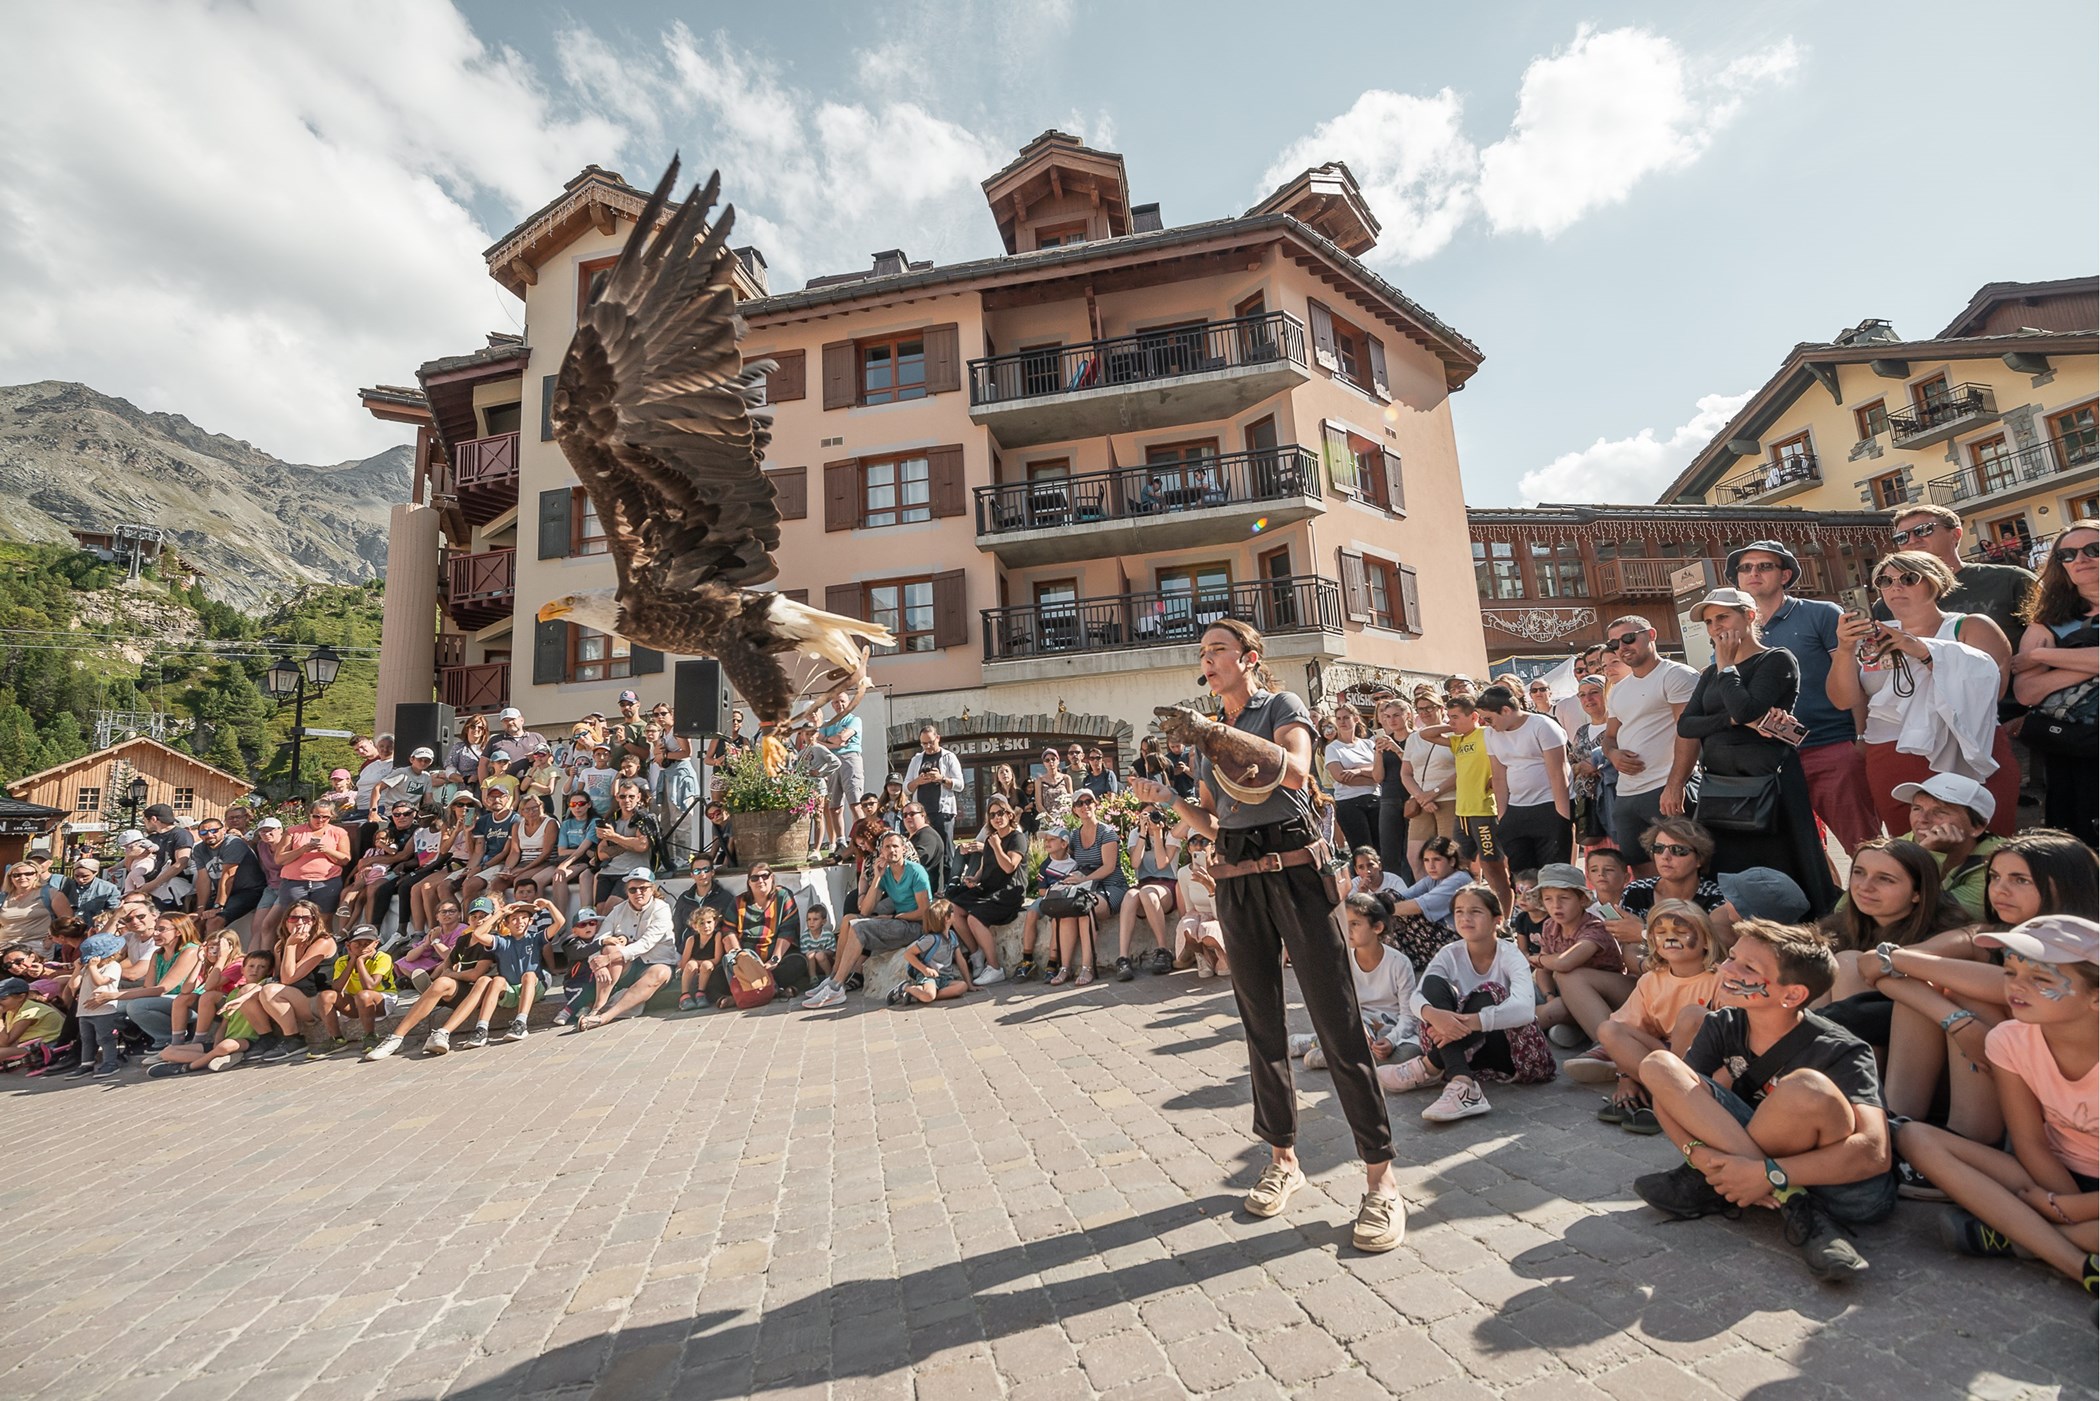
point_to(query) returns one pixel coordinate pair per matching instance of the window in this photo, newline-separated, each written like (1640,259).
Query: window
(595,656)
(88,800)
(1889,491)
(1042,369)
(1927,393)
(1495,572)
(905,607)
(1353,350)
(1992,458)
(2083,508)
(892,370)
(1179,468)
(1061,235)
(1051,469)
(1370,476)
(2077,434)
(1792,461)
(1558,570)
(185,799)
(1378,578)
(587,533)
(590,278)
(1195,591)
(1872,419)
(895,492)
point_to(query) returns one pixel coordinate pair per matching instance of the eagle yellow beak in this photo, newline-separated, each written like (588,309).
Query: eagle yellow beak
(553,611)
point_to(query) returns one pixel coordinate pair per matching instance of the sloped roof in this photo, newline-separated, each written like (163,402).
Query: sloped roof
(122,748)
(1991,294)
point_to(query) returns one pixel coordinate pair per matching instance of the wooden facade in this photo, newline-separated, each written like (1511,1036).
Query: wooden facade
(1551,577)
(94,790)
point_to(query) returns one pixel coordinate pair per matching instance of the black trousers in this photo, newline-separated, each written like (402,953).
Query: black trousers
(1532,836)
(1356,822)
(1392,837)
(1261,916)
(1487,1049)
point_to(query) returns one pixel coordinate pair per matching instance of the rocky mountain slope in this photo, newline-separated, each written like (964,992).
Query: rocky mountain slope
(70,456)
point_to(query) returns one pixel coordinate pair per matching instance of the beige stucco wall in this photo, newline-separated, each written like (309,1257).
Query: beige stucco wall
(1849,465)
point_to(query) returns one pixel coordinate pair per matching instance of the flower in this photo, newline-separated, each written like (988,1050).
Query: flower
(743,785)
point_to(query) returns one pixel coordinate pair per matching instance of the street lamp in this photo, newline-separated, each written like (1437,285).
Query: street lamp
(286,681)
(136,797)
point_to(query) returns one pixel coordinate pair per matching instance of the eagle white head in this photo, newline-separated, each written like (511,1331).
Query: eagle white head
(598,610)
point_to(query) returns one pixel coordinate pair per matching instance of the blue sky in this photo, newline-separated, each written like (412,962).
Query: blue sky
(243,213)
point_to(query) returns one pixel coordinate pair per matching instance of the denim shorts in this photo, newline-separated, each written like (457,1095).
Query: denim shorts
(1856,1203)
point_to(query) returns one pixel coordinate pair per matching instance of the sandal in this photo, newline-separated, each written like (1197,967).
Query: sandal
(690,1002)
(1086,975)
(1641,1120)
(724,1003)
(1059,978)
(1612,1112)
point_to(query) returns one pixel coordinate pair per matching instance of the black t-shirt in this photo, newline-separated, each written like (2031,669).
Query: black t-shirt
(1995,590)
(1181,771)
(174,848)
(1723,1042)
(1640,896)
(717,899)
(932,855)
(212,862)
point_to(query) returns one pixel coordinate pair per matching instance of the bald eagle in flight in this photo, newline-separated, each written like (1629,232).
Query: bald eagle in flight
(660,416)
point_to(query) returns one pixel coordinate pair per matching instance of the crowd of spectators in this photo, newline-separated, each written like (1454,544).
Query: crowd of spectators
(1782,909)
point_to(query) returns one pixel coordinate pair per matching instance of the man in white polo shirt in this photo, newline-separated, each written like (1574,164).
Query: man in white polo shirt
(1641,738)
(1528,761)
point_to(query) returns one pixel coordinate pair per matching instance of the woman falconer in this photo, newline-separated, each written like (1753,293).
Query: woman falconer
(1272,895)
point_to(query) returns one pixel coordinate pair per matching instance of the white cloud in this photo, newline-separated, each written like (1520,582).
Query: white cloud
(1630,469)
(242,214)
(1415,165)
(1595,119)
(1591,122)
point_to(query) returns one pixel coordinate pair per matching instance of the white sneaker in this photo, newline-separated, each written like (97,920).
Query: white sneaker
(1315,1057)
(1567,1034)
(384,1049)
(824,997)
(1301,1043)
(1205,966)
(977,964)
(439,1043)
(988,977)
(1416,1074)
(823,986)
(1461,1099)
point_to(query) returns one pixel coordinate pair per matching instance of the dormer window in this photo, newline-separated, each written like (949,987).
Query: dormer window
(1061,235)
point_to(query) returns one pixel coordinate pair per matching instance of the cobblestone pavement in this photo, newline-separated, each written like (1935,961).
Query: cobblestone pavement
(1028,1194)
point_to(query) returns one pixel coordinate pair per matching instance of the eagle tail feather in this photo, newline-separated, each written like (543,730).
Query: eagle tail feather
(829,636)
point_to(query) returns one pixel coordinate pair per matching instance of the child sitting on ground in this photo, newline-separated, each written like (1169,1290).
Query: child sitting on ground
(364,877)
(362,978)
(1774,1106)
(1197,933)
(1578,963)
(938,973)
(709,944)
(1057,864)
(1385,986)
(1478,1016)
(223,1049)
(422,962)
(27,1024)
(2043,1198)
(218,973)
(1665,1011)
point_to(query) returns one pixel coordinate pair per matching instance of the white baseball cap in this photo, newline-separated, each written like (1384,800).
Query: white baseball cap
(511,712)
(134,837)
(641,875)
(2050,939)
(1952,788)
(1723,598)
(426,752)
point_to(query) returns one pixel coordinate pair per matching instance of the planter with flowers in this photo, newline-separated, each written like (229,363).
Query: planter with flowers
(769,813)
(1118,812)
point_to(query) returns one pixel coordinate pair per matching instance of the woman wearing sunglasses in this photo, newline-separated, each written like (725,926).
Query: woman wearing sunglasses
(1931,682)
(2055,673)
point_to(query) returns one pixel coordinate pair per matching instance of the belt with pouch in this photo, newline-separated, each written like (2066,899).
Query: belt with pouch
(1272,861)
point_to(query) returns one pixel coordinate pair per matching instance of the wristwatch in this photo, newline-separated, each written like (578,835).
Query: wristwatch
(1776,1175)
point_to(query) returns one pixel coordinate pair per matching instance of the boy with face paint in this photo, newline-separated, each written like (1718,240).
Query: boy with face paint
(1774,1106)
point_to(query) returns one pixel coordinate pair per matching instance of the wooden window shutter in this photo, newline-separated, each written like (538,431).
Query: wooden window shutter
(1395,487)
(943,360)
(790,380)
(1410,600)
(1322,333)
(951,623)
(546,408)
(1378,383)
(839,389)
(1356,588)
(554,522)
(846,600)
(643,661)
(842,494)
(791,492)
(1341,460)
(945,493)
(550,653)
(798,595)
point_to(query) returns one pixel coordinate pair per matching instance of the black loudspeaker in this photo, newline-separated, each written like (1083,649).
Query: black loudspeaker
(420,725)
(699,699)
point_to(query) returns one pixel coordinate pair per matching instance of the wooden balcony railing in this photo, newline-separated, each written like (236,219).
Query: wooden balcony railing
(486,462)
(1300,603)
(1147,356)
(479,588)
(1155,489)
(472,690)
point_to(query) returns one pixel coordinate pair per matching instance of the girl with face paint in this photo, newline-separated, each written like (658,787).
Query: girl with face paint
(2041,1197)
(1665,1010)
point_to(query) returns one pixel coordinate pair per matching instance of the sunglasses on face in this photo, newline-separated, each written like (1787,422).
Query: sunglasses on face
(299,919)
(2090,550)
(1916,532)
(1083,803)
(209,831)
(1672,849)
(1624,639)
(1765,568)
(1906,577)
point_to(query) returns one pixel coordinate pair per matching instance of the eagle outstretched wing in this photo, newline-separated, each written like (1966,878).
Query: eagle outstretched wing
(657,412)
